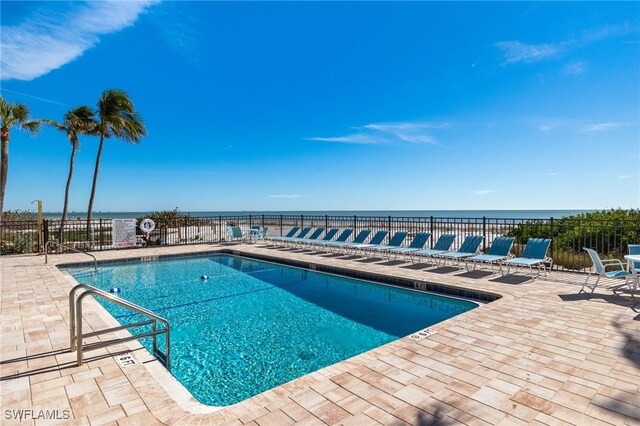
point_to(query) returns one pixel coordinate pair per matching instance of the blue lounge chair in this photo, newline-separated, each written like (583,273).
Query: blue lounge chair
(263,233)
(417,244)
(335,246)
(395,242)
(498,252)
(535,254)
(376,240)
(442,246)
(344,236)
(470,247)
(298,241)
(601,270)
(290,234)
(283,240)
(235,233)
(254,231)
(327,237)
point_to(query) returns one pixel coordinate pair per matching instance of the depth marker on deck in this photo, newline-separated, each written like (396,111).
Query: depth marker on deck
(419,335)
(126,360)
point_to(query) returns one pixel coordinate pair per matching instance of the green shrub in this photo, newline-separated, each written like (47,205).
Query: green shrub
(18,215)
(21,244)
(609,232)
(168,219)
(572,260)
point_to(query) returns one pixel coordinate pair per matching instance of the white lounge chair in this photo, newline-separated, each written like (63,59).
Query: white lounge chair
(601,270)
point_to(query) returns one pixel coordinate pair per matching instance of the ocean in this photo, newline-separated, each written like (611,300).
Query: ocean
(493,214)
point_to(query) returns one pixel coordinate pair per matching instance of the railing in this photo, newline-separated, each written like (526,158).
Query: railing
(19,237)
(608,237)
(76,337)
(46,253)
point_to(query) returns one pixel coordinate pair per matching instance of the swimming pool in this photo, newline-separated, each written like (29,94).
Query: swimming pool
(253,325)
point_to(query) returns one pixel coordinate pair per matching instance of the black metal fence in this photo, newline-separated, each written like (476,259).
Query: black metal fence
(19,236)
(569,235)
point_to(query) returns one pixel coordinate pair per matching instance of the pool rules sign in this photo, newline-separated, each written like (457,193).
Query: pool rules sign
(123,232)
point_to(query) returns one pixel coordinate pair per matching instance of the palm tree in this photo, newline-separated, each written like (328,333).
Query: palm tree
(78,121)
(116,118)
(11,115)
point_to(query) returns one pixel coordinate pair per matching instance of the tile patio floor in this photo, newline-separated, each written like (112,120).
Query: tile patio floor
(539,355)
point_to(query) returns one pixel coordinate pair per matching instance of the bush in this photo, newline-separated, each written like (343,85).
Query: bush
(609,232)
(572,260)
(168,219)
(21,244)
(18,215)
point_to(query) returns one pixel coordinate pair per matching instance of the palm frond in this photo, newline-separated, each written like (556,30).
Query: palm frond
(20,112)
(81,120)
(52,123)
(32,126)
(5,109)
(118,117)
(13,113)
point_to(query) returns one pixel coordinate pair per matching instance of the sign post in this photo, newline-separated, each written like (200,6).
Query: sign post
(40,226)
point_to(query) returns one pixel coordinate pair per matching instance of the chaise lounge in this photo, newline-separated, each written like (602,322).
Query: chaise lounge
(498,253)
(442,246)
(534,254)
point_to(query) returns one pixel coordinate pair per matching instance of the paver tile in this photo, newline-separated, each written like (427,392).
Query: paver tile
(538,355)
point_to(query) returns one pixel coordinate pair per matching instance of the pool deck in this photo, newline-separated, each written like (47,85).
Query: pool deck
(541,354)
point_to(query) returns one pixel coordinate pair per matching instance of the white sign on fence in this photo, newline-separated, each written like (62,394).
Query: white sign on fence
(123,232)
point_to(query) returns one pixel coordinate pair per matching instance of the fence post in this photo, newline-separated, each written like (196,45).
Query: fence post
(326,222)
(45,230)
(250,222)
(355,221)
(552,245)
(301,221)
(262,221)
(484,233)
(433,237)
(219,228)
(102,236)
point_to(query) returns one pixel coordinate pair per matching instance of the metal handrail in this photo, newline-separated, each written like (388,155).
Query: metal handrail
(75,325)
(46,253)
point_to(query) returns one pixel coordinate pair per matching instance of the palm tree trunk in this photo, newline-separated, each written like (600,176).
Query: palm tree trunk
(4,166)
(93,187)
(74,146)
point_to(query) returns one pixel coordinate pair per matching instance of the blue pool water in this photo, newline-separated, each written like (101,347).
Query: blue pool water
(254,325)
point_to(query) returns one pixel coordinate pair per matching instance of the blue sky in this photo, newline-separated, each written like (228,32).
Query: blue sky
(332,106)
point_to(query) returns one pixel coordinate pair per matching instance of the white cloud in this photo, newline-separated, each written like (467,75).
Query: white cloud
(412,132)
(356,138)
(515,51)
(547,124)
(485,191)
(178,26)
(48,41)
(575,68)
(286,196)
(600,127)
(625,177)
(518,52)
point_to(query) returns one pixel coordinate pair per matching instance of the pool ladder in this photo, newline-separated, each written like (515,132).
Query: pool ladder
(76,337)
